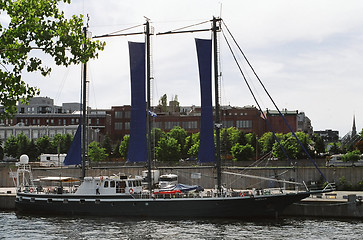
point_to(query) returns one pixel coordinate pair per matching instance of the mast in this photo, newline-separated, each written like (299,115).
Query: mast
(215,29)
(84,111)
(148,101)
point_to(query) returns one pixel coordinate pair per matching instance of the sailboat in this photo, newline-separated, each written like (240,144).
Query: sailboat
(122,196)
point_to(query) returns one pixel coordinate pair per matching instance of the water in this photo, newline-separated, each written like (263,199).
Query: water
(14,226)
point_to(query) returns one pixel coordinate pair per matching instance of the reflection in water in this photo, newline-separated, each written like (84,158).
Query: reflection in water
(35,227)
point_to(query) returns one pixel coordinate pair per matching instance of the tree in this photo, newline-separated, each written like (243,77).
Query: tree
(106,144)
(116,151)
(96,153)
(228,139)
(23,144)
(319,143)
(180,135)
(124,146)
(266,142)
(163,103)
(44,144)
(32,151)
(168,149)
(242,152)
(1,151)
(11,147)
(352,156)
(40,26)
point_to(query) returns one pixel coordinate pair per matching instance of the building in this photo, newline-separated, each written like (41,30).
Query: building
(247,119)
(41,117)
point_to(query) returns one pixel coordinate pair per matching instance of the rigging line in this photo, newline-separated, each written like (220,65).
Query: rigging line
(62,84)
(284,119)
(193,25)
(125,29)
(254,97)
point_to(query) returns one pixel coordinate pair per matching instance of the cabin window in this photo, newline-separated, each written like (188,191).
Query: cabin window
(112,184)
(122,186)
(118,187)
(105,185)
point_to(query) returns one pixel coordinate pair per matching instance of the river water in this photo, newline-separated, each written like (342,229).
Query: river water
(13,226)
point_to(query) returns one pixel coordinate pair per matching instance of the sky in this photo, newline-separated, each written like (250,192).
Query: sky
(308,54)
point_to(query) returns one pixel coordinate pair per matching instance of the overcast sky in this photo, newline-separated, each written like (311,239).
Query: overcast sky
(309,55)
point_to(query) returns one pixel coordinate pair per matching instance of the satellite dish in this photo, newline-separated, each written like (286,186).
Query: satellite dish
(24,159)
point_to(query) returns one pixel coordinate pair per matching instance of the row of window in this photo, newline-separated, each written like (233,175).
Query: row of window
(34,133)
(188,125)
(120,114)
(74,121)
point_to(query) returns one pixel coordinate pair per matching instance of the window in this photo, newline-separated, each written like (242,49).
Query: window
(244,124)
(112,184)
(170,125)
(156,125)
(189,125)
(227,124)
(118,126)
(127,114)
(127,125)
(105,184)
(118,114)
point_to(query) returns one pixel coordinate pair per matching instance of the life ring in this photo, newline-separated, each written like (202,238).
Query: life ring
(31,190)
(131,191)
(242,194)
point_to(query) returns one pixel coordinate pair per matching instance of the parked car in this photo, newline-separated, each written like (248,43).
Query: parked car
(337,161)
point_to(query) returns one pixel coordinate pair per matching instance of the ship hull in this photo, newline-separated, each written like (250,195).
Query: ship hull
(112,206)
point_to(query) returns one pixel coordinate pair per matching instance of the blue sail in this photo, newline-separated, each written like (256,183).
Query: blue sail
(137,144)
(206,147)
(74,156)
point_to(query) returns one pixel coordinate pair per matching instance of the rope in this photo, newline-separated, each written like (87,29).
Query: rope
(268,94)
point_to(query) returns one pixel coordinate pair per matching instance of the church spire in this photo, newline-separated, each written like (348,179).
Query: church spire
(354,129)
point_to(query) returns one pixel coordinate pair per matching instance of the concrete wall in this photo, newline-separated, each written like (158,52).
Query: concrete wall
(207,180)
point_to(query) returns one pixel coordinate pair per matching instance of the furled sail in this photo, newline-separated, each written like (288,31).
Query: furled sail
(137,145)
(74,156)
(206,147)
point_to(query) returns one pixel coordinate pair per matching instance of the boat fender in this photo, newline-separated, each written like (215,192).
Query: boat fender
(131,191)
(101,178)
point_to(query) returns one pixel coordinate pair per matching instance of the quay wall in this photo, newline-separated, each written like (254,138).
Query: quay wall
(205,175)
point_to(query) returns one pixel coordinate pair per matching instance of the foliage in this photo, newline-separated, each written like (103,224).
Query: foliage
(266,142)
(334,148)
(289,150)
(11,147)
(163,103)
(60,143)
(116,151)
(168,149)
(41,26)
(359,146)
(1,151)
(319,145)
(352,156)
(242,152)
(96,153)
(44,144)
(180,135)
(106,144)
(124,146)
(343,184)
